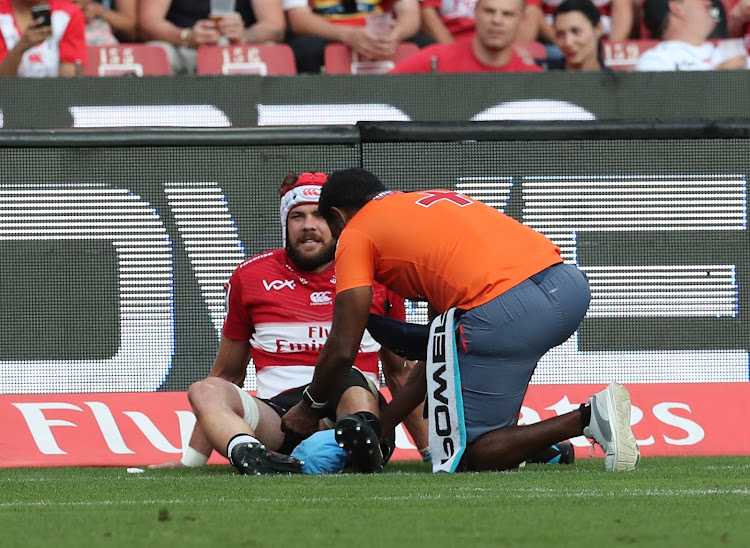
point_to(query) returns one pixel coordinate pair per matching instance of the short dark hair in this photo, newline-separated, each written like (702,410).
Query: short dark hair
(586,7)
(348,189)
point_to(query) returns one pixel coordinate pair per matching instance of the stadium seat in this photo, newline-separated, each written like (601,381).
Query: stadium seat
(262,59)
(126,60)
(340,59)
(624,54)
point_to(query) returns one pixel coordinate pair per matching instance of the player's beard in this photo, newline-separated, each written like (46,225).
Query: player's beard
(311,262)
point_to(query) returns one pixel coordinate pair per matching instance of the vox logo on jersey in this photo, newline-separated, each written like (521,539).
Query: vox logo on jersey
(278,284)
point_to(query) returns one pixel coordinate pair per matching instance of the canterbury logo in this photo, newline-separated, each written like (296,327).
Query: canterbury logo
(311,192)
(278,284)
(321,297)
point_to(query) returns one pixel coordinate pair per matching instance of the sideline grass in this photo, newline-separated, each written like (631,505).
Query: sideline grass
(665,502)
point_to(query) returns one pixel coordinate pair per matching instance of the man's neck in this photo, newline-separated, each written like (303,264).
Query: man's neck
(322,267)
(491,57)
(680,35)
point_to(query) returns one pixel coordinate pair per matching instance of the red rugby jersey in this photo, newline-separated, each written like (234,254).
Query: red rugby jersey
(286,315)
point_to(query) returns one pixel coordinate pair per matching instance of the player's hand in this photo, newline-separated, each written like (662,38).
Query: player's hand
(300,419)
(172,464)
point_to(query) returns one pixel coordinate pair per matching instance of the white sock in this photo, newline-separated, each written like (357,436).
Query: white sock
(236,440)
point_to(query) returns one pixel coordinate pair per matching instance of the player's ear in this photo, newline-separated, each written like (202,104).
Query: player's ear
(341,216)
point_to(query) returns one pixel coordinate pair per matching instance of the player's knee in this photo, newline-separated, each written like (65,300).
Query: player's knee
(205,394)
(357,398)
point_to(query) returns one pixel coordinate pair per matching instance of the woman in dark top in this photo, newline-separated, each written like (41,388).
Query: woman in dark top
(578,32)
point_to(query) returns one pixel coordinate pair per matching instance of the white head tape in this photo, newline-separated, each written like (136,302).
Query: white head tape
(305,191)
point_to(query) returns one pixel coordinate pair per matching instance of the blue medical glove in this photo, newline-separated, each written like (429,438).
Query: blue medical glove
(321,453)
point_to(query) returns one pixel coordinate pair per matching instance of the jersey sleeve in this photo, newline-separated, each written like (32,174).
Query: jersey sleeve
(73,42)
(289,4)
(355,261)
(237,325)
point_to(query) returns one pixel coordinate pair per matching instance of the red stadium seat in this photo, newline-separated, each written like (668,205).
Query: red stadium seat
(624,54)
(126,60)
(340,59)
(262,59)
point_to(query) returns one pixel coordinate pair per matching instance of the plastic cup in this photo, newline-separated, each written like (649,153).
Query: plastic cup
(220,9)
(379,24)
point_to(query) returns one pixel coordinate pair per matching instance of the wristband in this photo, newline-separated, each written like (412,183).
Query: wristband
(192,458)
(184,37)
(313,404)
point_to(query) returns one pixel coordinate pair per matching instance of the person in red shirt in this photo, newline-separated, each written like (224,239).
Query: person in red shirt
(279,308)
(28,48)
(450,20)
(513,298)
(489,50)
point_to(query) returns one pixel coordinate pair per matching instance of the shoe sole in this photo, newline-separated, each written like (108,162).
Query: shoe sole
(260,462)
(360,442)
(626,453)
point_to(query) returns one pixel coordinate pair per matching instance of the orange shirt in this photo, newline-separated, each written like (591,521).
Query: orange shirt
(439,246)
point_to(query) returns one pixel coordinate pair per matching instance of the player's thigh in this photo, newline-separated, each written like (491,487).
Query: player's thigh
(268,429)
(357,392)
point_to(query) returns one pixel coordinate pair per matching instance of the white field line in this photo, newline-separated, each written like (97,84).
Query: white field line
(465,494)
(192,478)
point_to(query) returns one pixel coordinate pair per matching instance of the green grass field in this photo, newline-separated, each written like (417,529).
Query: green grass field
(665,502)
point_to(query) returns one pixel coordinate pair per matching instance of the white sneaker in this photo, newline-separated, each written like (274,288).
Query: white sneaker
(610,428)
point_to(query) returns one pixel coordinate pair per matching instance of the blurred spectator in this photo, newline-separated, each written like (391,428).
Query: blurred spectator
(182,26)
(315,23)
(449,20)
(31,48)
(578,33)
(489,50)
(738,18)
(618,17)
(718,11)
(684,26)
(109,21)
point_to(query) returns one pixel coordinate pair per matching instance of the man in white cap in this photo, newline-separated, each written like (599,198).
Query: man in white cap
(279,310)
